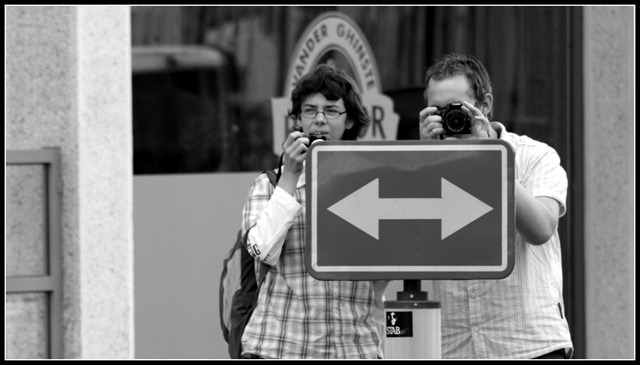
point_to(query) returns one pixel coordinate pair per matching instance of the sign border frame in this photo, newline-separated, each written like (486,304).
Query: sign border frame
(381,272)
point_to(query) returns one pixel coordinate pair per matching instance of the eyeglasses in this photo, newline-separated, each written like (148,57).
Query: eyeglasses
(329,114)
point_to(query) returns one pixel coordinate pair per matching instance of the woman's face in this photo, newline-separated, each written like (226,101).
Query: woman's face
(320,125)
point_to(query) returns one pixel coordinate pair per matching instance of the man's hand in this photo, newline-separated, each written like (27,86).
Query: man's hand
(480,126)
(430,125)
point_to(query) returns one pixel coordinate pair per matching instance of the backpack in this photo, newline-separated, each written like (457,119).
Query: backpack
(239,288)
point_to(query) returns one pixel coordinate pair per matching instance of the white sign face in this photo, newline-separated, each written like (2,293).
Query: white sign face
(335,39)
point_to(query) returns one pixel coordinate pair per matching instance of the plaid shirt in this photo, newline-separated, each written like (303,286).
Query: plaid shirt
(522,315)
(298,316)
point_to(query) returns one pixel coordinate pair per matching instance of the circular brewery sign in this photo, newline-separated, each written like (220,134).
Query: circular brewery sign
(335,39)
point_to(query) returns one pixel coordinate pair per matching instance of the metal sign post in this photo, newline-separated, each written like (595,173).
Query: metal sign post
(413,325)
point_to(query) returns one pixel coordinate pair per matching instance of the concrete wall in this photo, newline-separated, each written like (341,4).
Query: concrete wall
(609,125)
(68,85)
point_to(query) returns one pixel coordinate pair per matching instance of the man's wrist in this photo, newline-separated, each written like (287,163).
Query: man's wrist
(495,130)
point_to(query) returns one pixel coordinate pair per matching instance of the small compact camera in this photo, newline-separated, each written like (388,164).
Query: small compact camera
(454,119)
(315,137)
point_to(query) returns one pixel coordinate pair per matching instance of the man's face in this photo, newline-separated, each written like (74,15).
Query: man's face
(441,93)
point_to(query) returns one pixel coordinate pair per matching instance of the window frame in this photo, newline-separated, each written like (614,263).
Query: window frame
(51,283)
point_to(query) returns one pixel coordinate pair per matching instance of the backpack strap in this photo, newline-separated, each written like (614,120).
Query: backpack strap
(273,177)
(280,166)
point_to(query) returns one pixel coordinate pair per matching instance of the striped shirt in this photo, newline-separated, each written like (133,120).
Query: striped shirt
(298,316)
(522,315)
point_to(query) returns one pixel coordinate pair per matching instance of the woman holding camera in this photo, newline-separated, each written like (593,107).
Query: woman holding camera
(298,316)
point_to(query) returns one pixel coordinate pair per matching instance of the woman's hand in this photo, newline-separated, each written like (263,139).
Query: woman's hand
(294,149)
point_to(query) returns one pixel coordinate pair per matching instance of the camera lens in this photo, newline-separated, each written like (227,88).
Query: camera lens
(456,121)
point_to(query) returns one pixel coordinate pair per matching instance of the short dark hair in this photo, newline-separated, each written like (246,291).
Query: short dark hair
(467,65)
(334,85)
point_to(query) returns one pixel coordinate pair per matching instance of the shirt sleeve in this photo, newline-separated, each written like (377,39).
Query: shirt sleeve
(538,167)
(548,178)
(267,217)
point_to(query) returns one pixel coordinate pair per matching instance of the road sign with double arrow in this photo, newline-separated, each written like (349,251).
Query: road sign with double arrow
(410,210)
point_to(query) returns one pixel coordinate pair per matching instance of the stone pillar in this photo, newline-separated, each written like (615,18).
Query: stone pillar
(609,134)
(68,85)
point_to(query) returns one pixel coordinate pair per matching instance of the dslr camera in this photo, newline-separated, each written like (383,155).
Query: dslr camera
(454,119)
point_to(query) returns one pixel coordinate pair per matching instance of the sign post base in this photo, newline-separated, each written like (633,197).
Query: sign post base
(413,325)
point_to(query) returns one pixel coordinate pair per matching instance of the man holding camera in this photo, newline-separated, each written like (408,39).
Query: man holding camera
(522,315)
